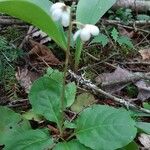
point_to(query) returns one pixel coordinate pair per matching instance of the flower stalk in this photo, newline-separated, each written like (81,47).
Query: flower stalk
(65,73)
(62,13)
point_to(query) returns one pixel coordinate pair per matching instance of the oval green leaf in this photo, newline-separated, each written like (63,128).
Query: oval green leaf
(70,93)
(30,140)
(90,11)
(105,128)
(45,97)
(37,13)
(11,123)
(70,87)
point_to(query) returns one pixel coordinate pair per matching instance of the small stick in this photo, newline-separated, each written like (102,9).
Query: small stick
(137,22)
(131,78)
(136,63)
(11,22)
(93,87)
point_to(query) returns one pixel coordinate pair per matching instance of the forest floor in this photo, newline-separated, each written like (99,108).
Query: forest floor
(118,63)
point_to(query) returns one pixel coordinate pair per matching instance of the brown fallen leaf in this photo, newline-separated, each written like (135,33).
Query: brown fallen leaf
(41,53)
(124,32)
(26,77)
(145,53)
(118,75)
(119,79)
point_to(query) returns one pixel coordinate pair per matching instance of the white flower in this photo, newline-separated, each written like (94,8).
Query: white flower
(56,6)
(86,32)
(61,12)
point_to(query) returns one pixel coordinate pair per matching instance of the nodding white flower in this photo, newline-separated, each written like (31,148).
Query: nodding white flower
(61,12)
(86,32)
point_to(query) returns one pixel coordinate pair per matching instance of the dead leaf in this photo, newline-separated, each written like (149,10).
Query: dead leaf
(145,53)
(41,53)
(25,78)
(83,100)
(144,89)
(124,32)
(118,75)
(145,140)
(117,80)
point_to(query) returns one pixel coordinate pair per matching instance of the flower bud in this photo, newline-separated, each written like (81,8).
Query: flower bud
(86,32)
(61,12)
(65,19)
(56,14)
(56,6)
(77,33)
(94,30)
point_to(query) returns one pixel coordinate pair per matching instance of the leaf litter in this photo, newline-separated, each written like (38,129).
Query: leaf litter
(38,55)
(120,78)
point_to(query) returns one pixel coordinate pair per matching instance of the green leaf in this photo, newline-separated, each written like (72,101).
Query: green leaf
(45,96)
(37,13)
(131,146)
(135,113)
(30,115)
(55,74)
(78,51)
(124,40)
(143,17)
(146,105)
(71,145)
(11,122)
(30,140)
(102,39)
(69,125)
(83,100)
(144,126)
(105,128)
(70,88)
(70,93)
(115,34)
(90,11)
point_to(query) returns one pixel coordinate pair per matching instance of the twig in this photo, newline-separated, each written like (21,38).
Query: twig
(53,129)
(93,87)
(143,40)
(18,103)
(11,22)
(136,63)
(118,23)
(110,39)
(93,57)
(131,78)
(98,63)
(135,5)
(138,22)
